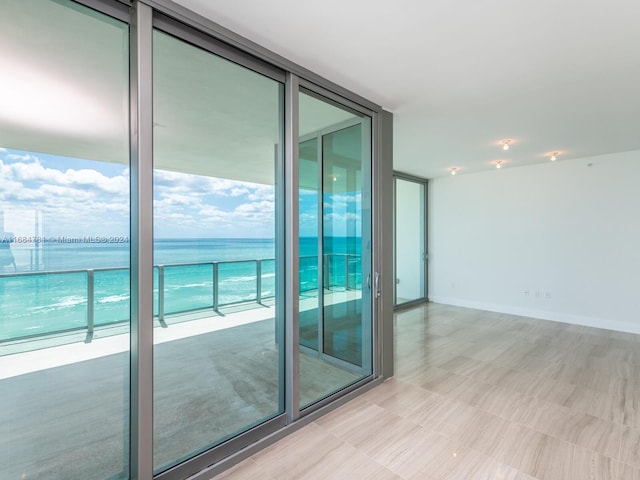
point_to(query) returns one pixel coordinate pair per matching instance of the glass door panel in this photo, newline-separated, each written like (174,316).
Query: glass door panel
(64,242)
(217,353)
(342,246)
(335,231)
(410,241)
(309,203)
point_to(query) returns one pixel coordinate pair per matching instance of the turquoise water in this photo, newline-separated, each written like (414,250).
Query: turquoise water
(56,298)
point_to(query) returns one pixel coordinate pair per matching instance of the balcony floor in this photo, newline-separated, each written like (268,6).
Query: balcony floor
(65,405)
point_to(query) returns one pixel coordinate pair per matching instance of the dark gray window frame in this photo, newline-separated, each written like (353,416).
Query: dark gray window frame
(425,182)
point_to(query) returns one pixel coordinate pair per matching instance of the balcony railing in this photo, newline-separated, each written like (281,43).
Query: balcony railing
(66,300)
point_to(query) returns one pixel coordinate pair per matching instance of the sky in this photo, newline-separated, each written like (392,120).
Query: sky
(87,198)
(54,196)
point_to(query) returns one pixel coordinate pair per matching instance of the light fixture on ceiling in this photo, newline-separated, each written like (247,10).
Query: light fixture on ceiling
(453,170)
(499,164)
(335,178)
(554,156)
(506,143)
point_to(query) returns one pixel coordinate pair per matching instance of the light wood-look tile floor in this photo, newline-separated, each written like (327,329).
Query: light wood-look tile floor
(479,395)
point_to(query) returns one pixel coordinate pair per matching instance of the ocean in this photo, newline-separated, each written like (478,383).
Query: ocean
(55,299)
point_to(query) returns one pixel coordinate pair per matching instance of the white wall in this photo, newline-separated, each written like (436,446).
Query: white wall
(567,232)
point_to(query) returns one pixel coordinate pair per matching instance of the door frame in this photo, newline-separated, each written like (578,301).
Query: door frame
(425,251)
(367,315)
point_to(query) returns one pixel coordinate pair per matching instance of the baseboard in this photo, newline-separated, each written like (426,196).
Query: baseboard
(541,314)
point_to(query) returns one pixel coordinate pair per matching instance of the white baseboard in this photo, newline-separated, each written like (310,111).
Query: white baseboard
(541,314)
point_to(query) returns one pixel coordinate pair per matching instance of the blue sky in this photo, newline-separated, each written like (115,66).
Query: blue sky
(87,198)
(78,198)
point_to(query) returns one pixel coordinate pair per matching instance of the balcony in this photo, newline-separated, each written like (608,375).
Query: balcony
(83,350)
(64,302)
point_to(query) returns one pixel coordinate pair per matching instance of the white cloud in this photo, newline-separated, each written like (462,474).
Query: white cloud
(72,202)
(340,218)
(177,182)
(255,207)
(168,200)
(238,192)
(89,202)
(214,206)
(29,169)
(22,157)
(211,212)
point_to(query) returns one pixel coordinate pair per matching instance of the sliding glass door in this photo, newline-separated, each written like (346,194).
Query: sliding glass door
(151,301)
(217,355)
(335,247)
(410,256)
(64,242)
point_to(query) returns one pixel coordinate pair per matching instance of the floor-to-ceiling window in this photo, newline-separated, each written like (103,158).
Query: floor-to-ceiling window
(64,242)
(217,142)
(335,247)
(144,177)
(410,256)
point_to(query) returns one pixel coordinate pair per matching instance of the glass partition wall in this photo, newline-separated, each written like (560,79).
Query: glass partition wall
(80,399)
(410,249)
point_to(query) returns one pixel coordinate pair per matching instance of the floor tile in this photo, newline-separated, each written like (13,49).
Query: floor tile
(630,448)
(479,396)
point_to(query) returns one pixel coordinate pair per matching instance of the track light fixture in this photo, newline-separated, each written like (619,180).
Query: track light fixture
(506,143)
(453,170)
(499,164)
(554,156)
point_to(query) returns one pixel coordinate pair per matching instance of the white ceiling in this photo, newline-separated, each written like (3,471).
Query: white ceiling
(462,75)
(64,91)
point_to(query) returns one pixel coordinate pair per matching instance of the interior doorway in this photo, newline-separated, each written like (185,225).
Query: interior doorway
(410,240)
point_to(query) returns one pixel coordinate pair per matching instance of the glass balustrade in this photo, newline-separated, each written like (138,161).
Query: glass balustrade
(66,300)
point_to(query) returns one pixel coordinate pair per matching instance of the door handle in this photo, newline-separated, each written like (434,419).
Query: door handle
(377,285)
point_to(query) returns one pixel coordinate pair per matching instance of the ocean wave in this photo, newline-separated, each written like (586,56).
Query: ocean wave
(64,302)
(250,278)
(188,285)
(114,299)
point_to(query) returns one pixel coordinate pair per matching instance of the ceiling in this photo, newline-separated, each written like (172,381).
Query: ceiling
(461,76)
(458,76)
(66,93)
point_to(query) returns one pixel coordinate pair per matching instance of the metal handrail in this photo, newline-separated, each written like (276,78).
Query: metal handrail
(161,268)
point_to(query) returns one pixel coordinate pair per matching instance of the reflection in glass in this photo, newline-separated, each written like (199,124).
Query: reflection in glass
(64,243)
(308,207)
(409,241)
(217,358)
(342,246)
(335,312)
